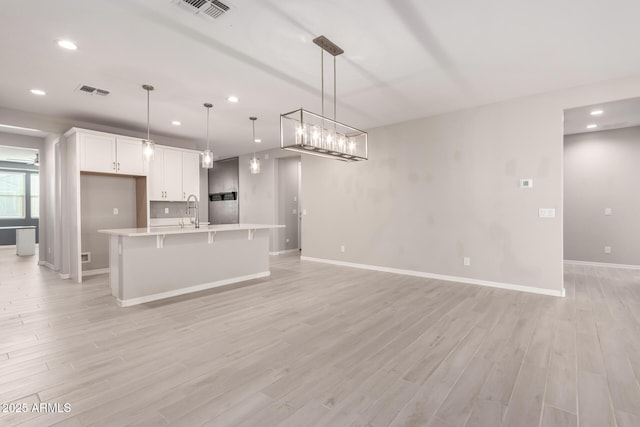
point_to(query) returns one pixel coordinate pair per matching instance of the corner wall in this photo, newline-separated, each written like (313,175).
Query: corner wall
(442,188)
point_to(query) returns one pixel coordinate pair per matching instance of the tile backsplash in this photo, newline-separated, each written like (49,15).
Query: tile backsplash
(175,209)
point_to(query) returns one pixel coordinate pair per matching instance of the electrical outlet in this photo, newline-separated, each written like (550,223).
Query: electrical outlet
(342,249)
(547,212)
(467,261)
(608,212)
(166,210)
(287,240)
(607,249)
(115,211)
(526,183)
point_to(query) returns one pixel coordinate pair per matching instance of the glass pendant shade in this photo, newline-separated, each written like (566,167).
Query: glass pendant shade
(207,155)
(207,159)
(254,165)
(148,148)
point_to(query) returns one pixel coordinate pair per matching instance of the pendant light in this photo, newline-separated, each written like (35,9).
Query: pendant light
(307,132)
(254,164)
(207,155)
(148,146)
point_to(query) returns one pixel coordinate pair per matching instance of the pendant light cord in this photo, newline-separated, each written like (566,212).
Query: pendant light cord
(148,133)
(208,128)
(253,124)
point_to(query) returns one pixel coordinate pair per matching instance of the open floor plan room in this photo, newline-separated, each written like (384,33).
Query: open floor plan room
(316,344)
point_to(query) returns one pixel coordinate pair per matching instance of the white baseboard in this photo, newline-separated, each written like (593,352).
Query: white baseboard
(602,264)
(64,276)
(467,280)
(196,288)
(95,272)
(47,264)
(288,251)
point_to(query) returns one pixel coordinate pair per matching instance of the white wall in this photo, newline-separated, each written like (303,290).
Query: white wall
(442,188)
(601,171)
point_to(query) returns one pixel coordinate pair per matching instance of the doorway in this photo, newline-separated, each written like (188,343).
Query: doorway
(601,203)
(288,205)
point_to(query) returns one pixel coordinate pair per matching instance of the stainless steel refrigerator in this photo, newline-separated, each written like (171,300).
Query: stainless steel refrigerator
(223,192)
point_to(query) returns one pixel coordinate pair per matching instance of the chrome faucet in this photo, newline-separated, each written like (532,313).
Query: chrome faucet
(196,218)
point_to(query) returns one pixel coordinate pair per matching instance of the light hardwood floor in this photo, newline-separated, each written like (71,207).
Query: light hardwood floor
(322,345)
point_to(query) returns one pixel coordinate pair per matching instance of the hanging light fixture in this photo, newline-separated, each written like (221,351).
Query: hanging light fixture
(148,146)
(311,133)
(254,163)
(207,155)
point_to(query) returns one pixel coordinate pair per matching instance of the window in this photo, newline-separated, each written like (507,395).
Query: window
(35,195)
(12,195)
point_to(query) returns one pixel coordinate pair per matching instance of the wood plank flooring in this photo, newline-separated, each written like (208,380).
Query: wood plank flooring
(321,345)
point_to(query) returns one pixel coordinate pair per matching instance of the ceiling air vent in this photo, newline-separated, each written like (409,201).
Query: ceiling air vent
(212,8)
(93,91)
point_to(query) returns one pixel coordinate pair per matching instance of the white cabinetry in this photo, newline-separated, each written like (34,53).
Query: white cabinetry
(108,153)
(190,174)
(174,174)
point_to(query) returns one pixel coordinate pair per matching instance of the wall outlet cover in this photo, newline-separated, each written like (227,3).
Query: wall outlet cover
(115,211)
(607,249)
(166,210)
(342,248)
(608,211)
(467,261)
(547,212)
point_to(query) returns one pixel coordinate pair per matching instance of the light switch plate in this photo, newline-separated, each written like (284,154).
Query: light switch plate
(467,261)
(607,211)
(547,212)
(115,211)
(166,210)
(607,249)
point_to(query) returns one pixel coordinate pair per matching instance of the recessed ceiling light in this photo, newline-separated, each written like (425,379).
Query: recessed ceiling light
(592,126)
(176,123)
(38,92)
(597,112)
(258,140)
(233,98)
(67,44)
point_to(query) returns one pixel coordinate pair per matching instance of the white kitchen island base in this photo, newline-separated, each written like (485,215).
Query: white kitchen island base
(151,264)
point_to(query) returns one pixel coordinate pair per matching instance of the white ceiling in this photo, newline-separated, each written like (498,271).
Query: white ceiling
(403,59)
(615,115)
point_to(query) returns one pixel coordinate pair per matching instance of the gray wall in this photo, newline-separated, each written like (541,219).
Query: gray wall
(600,171)
(442,188)
(258,193)
(99,194)
(287,204)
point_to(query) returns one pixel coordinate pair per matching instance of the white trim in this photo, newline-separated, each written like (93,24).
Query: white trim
(95,272)
(288,251)
(468,280)
(190,289)
(47,264)
(602,264)
(64,276)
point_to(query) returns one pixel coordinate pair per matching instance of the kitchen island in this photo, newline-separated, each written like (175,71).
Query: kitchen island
(148,264)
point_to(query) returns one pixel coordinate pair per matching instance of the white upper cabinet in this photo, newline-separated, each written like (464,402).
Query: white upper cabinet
(108,153)
(174,174)
(97,152)
(190,174)
(129,156)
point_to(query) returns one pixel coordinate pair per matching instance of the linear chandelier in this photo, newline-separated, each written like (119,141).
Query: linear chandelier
(311,133)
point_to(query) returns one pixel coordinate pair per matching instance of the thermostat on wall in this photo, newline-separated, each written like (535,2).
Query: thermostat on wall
(526,183)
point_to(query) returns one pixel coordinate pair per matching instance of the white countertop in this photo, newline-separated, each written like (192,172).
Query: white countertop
(157,231)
